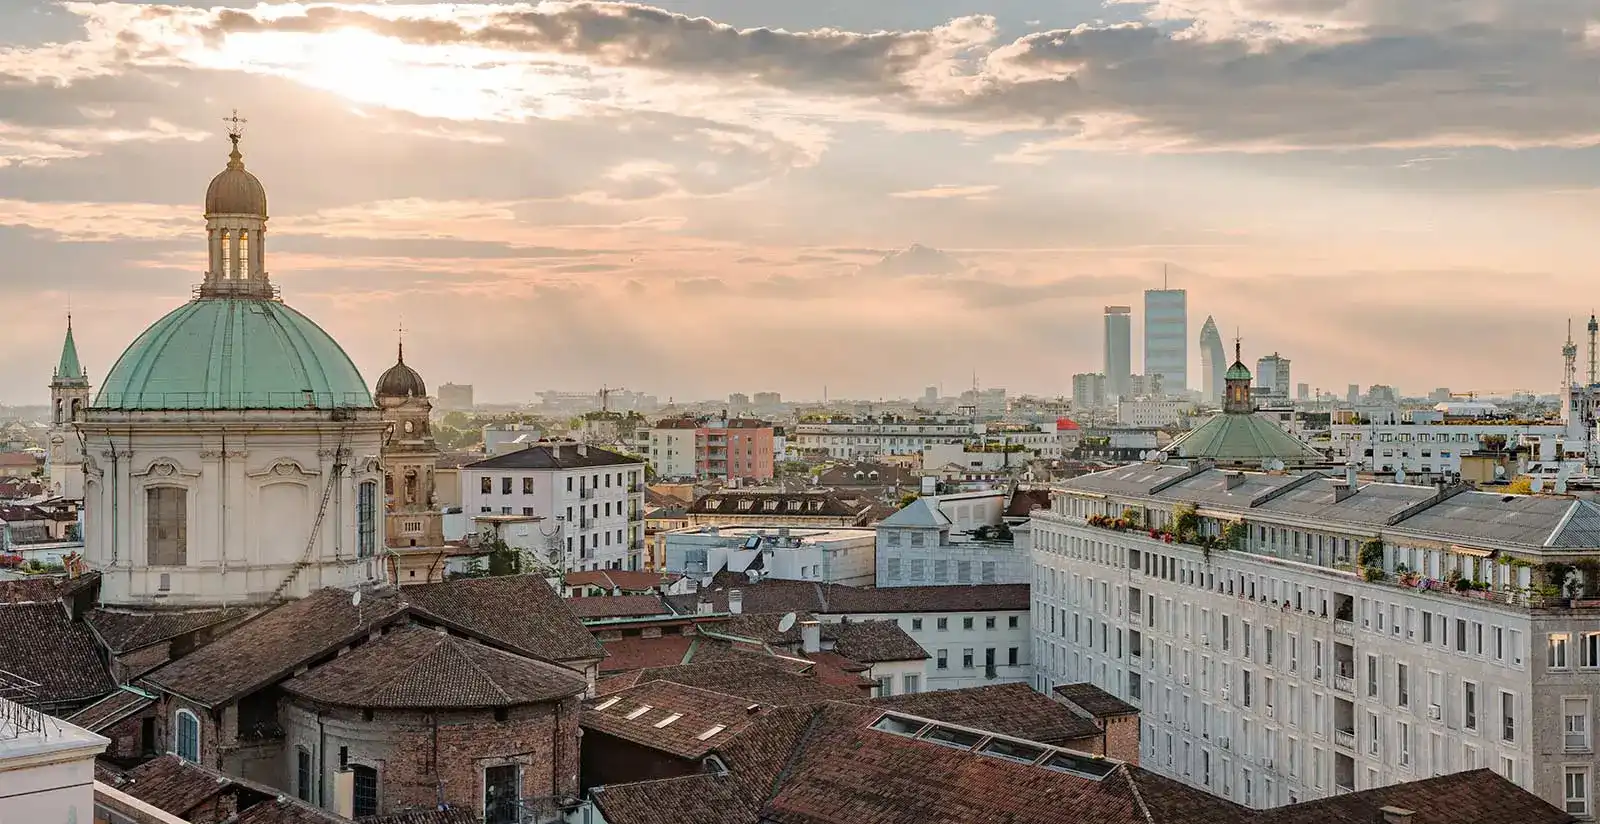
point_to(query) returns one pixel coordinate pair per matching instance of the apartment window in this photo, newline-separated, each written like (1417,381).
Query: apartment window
(186,738)
(569,484)
(916,624)
(1575,724)
(911,683)
(1461,635)
(966,622)
(1469,705)
(502,793)
(964,571)
(1576,790)
(1402,677)
(1589,650)
(1011,621)
(884,687)
(365,801)
(988,570)
(1249,683)
(527,486)
(367,520)
(1011,657)
(167,516)
(966,658)
(988,622)
(893,566)
(1372,733)
(486,485)
(1427,627)
(1372,676)
(1508,717)
(943,624)
(944,659)
(1403,743)
(505,486)
(892,539)
(1559,656)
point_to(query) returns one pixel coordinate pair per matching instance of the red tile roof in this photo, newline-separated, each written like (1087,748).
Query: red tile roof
(625,580)
(601,607)
(634,652)
(692,735)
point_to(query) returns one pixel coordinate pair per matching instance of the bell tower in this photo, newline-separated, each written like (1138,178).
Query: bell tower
(410,456)
(69,397)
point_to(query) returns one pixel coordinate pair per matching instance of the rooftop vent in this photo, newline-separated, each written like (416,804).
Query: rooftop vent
(1233,480)
(1396,815)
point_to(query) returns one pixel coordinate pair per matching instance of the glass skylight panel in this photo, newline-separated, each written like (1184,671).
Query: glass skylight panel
(641,710)
(1080,765)
(706,736)
(951,737)
(1013,751)
(668,720)
(606,704)
(898,725)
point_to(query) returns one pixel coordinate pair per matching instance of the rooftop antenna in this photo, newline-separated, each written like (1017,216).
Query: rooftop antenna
(1594,330)
(1164,281)
(1569,355)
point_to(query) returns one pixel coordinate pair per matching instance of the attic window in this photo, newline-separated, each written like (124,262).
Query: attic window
(1012,751)
(668,720)
(706,736)
(606,704)
(1079,765)
(794,506)
(770,506)
(746,504)
(898,725)
(713,503)
(641,710)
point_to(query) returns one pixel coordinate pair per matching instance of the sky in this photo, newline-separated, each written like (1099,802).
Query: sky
(697,197)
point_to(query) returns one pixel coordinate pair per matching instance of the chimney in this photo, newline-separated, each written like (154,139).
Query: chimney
(1232,480)
(344,792)
(811,636)
(703,607)
(1342,490)
(583,450)
(735,601)
(1350,475)
(1396,815)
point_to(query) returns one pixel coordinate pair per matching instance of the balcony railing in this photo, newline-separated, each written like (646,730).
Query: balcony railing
(586,523)
(1345,738)
(1345,684)
(1349,787)
(585,493)
(1343,628)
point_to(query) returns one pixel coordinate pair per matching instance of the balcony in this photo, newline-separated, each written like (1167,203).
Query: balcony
(585,493)
(586,523)
(1346,739)
(1343,628)
(1344,684)
(635,488)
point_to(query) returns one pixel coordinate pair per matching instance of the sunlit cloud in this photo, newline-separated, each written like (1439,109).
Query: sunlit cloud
(948,192)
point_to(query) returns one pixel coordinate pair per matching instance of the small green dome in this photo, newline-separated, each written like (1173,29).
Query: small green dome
(1237,372)
(233,353)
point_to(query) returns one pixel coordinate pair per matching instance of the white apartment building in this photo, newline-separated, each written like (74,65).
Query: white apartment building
(869,436)
(1269,671)
(974,635)
(1153,412)
(591,500)
(834,555)
(925,544)
(1429,450)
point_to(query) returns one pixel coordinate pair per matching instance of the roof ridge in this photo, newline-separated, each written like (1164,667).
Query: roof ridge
(1138,797)
(461,653)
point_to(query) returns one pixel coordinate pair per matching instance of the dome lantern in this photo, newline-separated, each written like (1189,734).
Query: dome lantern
(236,218)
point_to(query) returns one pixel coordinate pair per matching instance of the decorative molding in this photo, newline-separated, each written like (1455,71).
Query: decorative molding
(213,454)
(113,454)
(164,468)
(284,468)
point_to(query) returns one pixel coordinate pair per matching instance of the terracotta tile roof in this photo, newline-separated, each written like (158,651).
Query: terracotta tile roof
(286,810)
(1009,709)
(1095,701)
(521,611)
(634,652)
(36,590)
(618,606)
(109,710)
(873,641)
(762,681)
(44,646)
(173,784)
(625,580)
(122,631)
(416,668)
(270,646)
(700,712)
(773,595)
(450,816)
(1473,797)
(556,456)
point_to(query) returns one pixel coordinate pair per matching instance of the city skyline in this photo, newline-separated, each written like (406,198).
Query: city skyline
(547,211)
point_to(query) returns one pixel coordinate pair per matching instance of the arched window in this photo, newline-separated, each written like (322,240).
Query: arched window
(77,405)
(58,412)
(167,525)
(244,254)
(186,736)
(367,520)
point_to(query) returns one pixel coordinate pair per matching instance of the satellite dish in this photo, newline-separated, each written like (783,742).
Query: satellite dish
(1499,472)
(786,623)
(1537,485)
(1276,465)
(355,598)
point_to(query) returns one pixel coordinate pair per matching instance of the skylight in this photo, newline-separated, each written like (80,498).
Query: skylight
(1012,751)
(952,737)
(706,736)
(607,704)
(1080,765)
(898,725)
(668,720)
(641,710)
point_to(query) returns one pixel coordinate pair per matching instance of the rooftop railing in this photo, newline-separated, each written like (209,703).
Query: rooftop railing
(306,399)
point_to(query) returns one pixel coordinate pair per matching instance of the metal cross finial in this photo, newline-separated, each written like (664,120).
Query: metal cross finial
(235,125)
(401,331)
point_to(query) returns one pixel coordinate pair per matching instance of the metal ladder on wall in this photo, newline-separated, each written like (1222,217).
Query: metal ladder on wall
(340,453)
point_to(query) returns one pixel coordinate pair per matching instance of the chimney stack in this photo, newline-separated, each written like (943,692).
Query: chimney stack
(735,602)
(344,792)
(811,636)
(703,607)
(1396,815)
(1232,480)
(1350,475)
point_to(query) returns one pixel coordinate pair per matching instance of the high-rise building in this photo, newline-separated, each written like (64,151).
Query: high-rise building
(455,397)
(1213,362)
(1088,390)
(930,397)
(1352,395)
(1118,350)
(1302,391)
(1166,337)
(1272,375)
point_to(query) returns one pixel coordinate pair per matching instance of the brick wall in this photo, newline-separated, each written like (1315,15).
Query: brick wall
(422,760)
(1122,738)
(211,752)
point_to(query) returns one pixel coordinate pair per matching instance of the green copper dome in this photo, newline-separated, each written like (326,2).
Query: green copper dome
(230,354)
(1237,372)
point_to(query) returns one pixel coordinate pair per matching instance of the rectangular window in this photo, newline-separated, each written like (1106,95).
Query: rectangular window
(1011,657)
(966,658)
(1011,622)
(911,683)
(988,622)
(486,485)
(1575,724)
(302,775)
(527,486)
(167,539)
(505,486)
(1461,635)
(1508,717)
(944,659)
(916,624)
(367,520)
(1558,655)
(1403,743)
(502,794)
(366,790)
(1402,676)
(1589,650)
(943,624)
(1469,705)
(1576,790)
(966,622)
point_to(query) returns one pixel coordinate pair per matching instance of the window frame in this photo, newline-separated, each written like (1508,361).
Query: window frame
(178,738)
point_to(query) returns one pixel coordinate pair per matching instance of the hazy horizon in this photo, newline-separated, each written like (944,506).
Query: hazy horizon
(666,198)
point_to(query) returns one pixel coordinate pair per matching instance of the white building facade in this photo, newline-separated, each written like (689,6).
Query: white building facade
(1426,451)
(922,545)
(1153,412)
(591,500)
(832,555)
(867,437)
(969,644)
(1268,671)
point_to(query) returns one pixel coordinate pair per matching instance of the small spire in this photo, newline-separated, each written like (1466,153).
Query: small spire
(235,131)
(401,343)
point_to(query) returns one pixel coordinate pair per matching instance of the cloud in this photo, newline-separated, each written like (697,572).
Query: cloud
(915,259)
(947,192)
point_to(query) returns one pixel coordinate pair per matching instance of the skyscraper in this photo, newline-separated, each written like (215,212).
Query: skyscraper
(1166,338)
(1213,362)
(1119,350)
(1272,375)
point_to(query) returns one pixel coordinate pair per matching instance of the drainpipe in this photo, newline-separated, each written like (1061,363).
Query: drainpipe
(322,749)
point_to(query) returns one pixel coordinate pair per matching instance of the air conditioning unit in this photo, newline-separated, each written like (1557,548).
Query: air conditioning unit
(1266,763)
(1223,740)
(1186,680)
(1435,712)
(1225,693)
(1271,711)
(1205,640)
